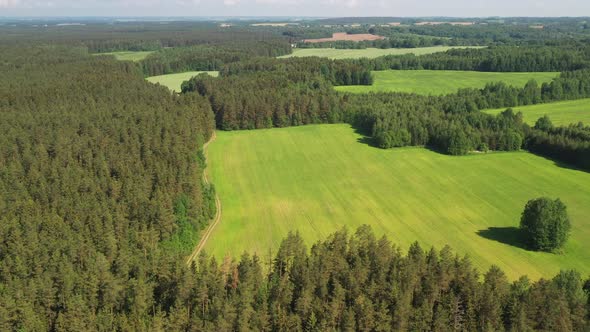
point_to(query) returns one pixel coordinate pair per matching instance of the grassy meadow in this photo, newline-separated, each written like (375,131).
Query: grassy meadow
(318,179)
(440,82)
(128,55)
(333,53)
(560,113)
(174,81)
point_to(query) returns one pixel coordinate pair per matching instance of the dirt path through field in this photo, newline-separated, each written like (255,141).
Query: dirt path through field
(217,217)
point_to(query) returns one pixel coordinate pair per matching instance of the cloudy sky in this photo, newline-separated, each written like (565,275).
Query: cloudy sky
(294,8)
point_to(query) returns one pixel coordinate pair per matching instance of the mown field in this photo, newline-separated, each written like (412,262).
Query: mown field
(174,81)
(333,53)
(320,178)
(128,55)
(440,82)
(560,113)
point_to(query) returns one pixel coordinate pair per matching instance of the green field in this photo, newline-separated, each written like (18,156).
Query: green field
(318,179)
(560,113)
(440,82)
(174,81)
(128,56)
(333,53)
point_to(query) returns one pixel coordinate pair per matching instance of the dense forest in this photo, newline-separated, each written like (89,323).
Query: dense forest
(98,37)
(403,32)
(491,59)
(208,58)
(101,192)
(102,197)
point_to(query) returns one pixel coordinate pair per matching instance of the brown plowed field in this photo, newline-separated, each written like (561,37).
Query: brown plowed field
(339,36)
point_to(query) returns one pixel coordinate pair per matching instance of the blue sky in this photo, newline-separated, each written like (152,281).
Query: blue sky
(294,8)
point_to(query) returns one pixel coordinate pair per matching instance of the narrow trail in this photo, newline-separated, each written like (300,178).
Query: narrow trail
(217,217)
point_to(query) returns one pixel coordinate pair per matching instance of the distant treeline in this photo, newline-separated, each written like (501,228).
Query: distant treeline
(132,36)
(265,93)
(209,57)
(492,59)
(403,32)
(393,41)
(337,72)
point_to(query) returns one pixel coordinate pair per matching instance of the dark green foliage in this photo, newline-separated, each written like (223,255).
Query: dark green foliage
(361,282)
(100,37)
(337,72)
(208,57)
(492,59)
(544,124)
(545,224)
(570,144)
(100,191)
(483,147)
(458,143)
(266,100)
(484,31)
(510,140)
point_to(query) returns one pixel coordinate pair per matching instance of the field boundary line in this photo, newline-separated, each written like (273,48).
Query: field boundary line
(217,217)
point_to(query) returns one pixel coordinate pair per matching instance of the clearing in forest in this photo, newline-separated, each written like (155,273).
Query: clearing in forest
(174,81)
(128,55)
(317,179)
(560,113)
(343,36)
(440,82)
(334,53)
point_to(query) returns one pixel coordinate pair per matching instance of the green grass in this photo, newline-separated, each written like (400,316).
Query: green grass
(318,179)
(174,81)
(129,56)
(560,113)
(440,82)
(333,53)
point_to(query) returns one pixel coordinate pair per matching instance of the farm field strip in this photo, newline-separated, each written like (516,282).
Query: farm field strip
(440,82)
(343,36)
(128,55)
(333,53)
(216,219)
(560,113)
(318,179)
(174,81)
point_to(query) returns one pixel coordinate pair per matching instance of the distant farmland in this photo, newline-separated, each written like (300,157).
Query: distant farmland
(343,36)
(128,55)
(333,53)
(319,178)
(560,113)
(439,82)
(174,81)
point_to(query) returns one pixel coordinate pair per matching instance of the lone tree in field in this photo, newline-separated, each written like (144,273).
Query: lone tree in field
(545,224)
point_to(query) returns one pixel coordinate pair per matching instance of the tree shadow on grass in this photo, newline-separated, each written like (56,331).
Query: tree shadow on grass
(365,138)
(507,235)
